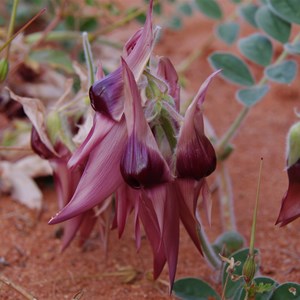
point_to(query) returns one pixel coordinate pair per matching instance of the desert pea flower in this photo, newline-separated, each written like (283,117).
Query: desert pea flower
(290,206)
(122,154)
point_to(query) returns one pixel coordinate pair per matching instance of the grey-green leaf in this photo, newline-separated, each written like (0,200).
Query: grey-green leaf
(287,291)
(251,96)
(258,48)
(273,25)
(233,68)
(288,10)
(194,289)
(210,8)
(228,32)
(247,12)
(284,72)
(292,48)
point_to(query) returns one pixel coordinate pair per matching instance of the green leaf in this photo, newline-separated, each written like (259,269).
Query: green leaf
(264,287)
(258,48)
(248,12)
(251,96)
(273,25)
(88,24)
(228,32)
(194,289)
(236,1)
(233,288)
(55,58)
(292,48)
(287,291)
(210,8)
(186,9)
(228,243)
(284,72)
(233,68)
(288,10)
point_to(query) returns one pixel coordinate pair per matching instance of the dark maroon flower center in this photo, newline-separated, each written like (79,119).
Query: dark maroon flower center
(196,159)
(142,166)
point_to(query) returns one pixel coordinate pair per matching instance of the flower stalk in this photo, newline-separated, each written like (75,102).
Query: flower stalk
(226,198)
(11,25)
(208,250)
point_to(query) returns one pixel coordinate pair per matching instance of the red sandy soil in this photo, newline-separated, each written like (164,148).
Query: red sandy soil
(29,245)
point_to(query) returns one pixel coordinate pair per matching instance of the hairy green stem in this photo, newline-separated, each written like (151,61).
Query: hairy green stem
(226,198)
(207,249)
(11,25)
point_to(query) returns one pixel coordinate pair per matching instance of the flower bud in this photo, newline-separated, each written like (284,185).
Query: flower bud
(54,126)
(249,269)
(3,69)
(293,147)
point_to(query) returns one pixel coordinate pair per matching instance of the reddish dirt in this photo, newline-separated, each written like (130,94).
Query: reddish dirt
(29,245)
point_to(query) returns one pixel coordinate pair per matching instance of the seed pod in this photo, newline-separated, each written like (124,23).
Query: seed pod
(249,269)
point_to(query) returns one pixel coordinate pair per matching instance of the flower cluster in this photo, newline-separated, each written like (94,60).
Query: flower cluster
(141,153)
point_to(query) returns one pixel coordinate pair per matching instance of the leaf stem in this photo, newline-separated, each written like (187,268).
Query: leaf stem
(11,25)
(207,249)
(253,229)
(226,198)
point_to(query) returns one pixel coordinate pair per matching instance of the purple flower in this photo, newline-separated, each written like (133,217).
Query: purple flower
(137,151)
(290,206)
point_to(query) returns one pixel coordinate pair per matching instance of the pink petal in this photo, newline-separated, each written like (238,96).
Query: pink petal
(187,203)
(107,94)
(171,233)
(195,155)
(125,199)
(70,229)
(142,164)
(101,127)
(87,225)
(167,73)
(157,195)
(148,217)
(101,176)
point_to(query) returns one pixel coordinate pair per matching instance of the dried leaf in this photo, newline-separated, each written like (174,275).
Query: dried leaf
(36,112)
(17,178)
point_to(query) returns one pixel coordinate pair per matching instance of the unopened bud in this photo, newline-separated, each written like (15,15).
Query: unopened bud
(3,69)
(249,269)
(293,148)
(53,126)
